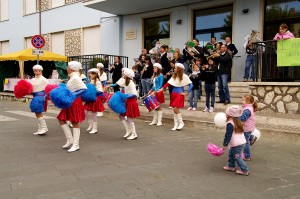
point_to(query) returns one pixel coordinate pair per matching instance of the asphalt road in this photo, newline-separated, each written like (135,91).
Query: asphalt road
(159,164)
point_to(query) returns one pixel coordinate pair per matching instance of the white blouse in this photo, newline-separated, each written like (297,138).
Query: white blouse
(103,77)
(131,88)
(75,83)
(39,83)
(98,85)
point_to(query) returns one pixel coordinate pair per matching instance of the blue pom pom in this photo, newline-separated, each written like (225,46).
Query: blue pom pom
(62,97)
(37,104)
(117,103)
(90,94)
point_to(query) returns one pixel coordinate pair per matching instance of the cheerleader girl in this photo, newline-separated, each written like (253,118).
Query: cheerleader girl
(97,106)
(39,82)
(178,80)
(82,76)
(75,113)
(103,80)
(132,109)
(158,80)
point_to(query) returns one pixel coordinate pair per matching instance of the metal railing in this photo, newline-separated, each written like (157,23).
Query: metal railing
(266,64)
(90,61)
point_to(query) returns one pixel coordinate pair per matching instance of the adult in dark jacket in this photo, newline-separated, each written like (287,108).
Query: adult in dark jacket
(116,70)
(146,75)
(231,47)
(224,71)
(164,61)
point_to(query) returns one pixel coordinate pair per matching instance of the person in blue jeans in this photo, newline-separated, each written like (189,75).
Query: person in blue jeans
(146,75)
(194,94)
(250,64)
(235,140)
(209,73)
(224,71)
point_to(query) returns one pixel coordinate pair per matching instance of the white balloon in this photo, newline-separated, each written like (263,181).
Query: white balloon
(256,133)
(220,120)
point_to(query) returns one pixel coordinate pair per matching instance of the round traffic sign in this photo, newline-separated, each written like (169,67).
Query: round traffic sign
(38,41)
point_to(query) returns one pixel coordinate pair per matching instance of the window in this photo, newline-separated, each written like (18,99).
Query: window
(156,29)
(281,11)
(30,7)
(3,10)
(57,3)
(213,22)
(4,47)
(28,43)
(58,43)
(91,40)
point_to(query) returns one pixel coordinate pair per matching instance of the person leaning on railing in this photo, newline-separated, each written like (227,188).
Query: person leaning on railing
(283,33)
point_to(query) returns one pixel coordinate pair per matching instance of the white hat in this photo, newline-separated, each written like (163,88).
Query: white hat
(157,65)
(37,67)
(100,65)
(234,111)
(129,73)
(179,65)
(75,65)
(94,70)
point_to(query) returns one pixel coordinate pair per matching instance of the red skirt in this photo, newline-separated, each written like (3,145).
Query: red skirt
(160,97)
(177,100)
(132,108)
(75,113)
(96,106)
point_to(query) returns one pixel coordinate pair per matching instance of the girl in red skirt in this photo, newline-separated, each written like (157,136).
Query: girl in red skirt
(158,80)
(132,109)
(178,80)
(103,80)
(97,106)
(75,114)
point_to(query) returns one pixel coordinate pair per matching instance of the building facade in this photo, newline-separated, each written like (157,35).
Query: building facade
(69,28)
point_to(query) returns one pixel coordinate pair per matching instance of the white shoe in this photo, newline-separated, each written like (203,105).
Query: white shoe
(68,134)
(133,135)
(90,126)
(159,118)
(175,122)
(189,108)
(180,121)
(154,121)
(205,109)
(70,124)
(99,114)
(43,124)
(194,109)
(94,129)
(170,107)
(76,136)
(211,109)
(128,132)
(39,128)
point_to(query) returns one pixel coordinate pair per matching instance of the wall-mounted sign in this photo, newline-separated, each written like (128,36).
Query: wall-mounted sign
(131,34)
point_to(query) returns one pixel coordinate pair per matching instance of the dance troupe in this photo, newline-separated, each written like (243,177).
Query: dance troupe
(81,99)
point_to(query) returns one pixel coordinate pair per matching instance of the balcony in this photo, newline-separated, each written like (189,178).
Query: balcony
(128,7)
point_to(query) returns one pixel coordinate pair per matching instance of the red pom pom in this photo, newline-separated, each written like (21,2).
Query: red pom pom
(22,88)
(49,88)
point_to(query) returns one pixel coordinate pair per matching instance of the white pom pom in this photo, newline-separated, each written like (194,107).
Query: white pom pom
(220,120)
(256,133)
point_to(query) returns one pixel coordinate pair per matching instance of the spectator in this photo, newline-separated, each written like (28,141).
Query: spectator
(231,47)
(224,71)
(209,75)
(284,33)
(194,94)
(116,70)
(146,75)
(144,53)
(164,61)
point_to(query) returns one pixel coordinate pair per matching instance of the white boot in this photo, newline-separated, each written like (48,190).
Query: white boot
(94,130)
(68,134)
(181,123)
(159,118)
(39,128)
(175,122)
(99,114)
(154,121)
(90,126)
(133,132)
(43,124)
(76,136)
(128,132)
(70,124)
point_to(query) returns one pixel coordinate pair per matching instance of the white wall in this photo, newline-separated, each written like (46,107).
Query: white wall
(55,20)
(243,24)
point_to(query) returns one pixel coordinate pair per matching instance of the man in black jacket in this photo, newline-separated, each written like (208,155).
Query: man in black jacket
(164,61)
(231,47)
(224,71)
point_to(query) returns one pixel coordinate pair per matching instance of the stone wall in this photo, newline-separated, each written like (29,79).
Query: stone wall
(73,42)
(280,97)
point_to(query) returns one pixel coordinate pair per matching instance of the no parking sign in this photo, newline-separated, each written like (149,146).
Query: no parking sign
(38,41)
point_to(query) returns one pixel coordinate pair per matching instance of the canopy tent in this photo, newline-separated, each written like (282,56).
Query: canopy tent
(26,55)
